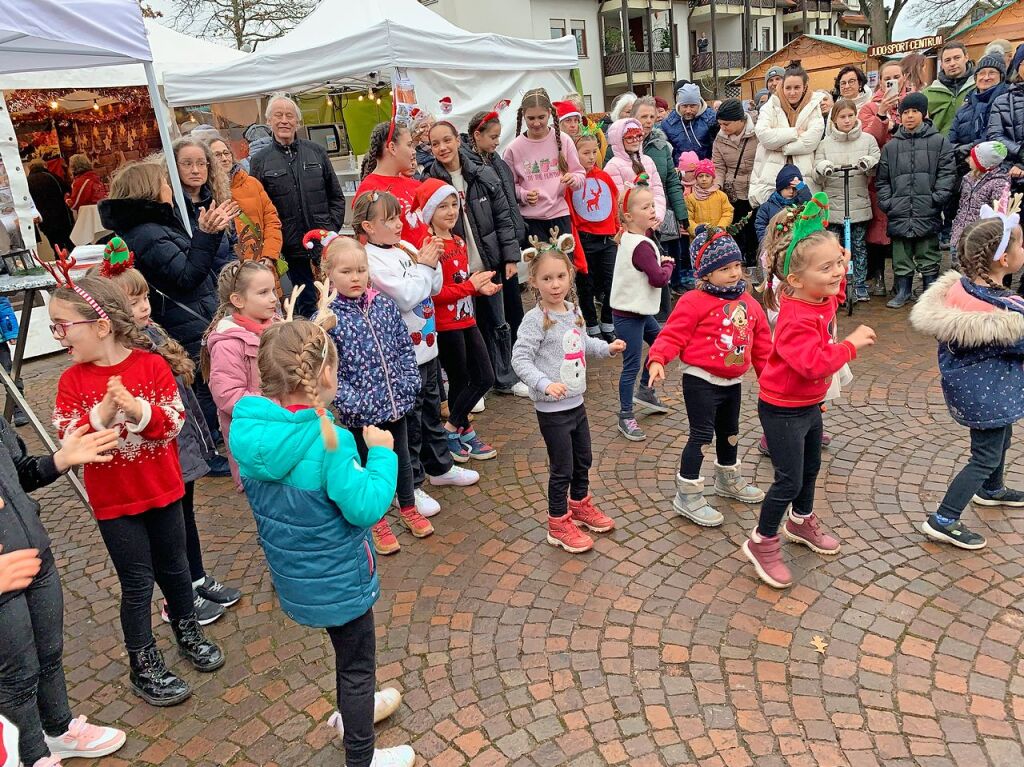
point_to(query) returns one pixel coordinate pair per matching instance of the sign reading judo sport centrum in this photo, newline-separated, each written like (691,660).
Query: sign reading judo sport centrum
(905,46)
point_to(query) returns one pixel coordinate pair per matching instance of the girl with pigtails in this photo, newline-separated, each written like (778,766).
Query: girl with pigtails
(543,166)
(314,499)
(550,358)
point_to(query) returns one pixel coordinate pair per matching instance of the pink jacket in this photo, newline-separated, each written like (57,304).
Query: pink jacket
(233,374)
(620,167)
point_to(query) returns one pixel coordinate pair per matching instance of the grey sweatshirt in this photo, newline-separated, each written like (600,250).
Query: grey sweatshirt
(556,355)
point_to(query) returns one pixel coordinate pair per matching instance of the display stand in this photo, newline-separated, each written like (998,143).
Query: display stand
(28,286)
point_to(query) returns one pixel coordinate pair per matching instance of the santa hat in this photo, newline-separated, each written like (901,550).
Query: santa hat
(565,110)
(431,193)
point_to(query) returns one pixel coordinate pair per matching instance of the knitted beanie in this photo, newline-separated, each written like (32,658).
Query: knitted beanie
(431,193)
(688,94)
(711,251)
(704,166)
(786,176)
(660,103)
(731,109)
(992,62)
(989,154)
(774,72)
(1018,59)
(688,161)
(915,100)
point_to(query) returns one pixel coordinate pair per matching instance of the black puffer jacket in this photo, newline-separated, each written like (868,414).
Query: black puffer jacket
(1006,124)
(302,185)
(916,177)
(179,270)
(226,244)
(20,527)
(508,186)
(488,210)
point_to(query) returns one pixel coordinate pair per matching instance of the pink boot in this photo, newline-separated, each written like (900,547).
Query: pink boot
(766,556)
(807,530)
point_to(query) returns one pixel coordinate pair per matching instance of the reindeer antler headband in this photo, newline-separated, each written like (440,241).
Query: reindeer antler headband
(60,270)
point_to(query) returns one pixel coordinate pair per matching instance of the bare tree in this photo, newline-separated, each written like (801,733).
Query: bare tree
(148,12)
(242,22)
(883,14)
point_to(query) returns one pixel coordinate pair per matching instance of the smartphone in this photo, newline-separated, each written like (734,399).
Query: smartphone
(892,87)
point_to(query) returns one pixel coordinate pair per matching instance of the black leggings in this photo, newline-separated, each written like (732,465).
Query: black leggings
(399,430)
(144,548)
(877,256)
(193,549)
(463,355)
(355,661)
(794,442)
(596,284)
(713,411)
(567,437)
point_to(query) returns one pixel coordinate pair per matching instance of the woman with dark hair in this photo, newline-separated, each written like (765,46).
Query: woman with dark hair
(850,84)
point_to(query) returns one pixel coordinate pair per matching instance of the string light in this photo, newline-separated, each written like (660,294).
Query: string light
(96,105)
(54,105)
(378,99)
(360,96)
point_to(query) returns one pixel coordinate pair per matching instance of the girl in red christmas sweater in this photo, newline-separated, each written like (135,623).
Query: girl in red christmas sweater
(719,331)
(460,345)
(594,211)
(120,380)
(812,269)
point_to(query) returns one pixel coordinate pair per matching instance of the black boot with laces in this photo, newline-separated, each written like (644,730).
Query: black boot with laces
(152,681)
(195,647)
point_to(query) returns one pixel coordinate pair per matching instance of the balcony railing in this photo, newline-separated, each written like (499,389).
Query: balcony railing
(704,62)
(735,4)
(813,6)
(615,63)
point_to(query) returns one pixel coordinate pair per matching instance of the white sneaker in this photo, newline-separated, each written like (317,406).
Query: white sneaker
(521,390)
(479,407)
(426,505)
(85,740)
(456,476)
(399,756)
(385,703)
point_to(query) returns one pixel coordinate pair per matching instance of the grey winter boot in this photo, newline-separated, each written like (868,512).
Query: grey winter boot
(729,482)
(904,292)
(690,502)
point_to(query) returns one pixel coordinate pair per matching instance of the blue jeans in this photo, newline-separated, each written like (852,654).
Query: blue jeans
(858,249)
(635,331)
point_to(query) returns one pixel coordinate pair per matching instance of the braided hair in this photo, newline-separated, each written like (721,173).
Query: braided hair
(480,122)
(776,258)
(538,97)
(378,143)
(234,278)
(977,246)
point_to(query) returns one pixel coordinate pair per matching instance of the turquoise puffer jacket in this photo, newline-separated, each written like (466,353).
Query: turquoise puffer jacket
(313,509)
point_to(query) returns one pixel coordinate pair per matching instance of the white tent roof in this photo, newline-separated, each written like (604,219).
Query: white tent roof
(376,34)
(170,50)
(39,35)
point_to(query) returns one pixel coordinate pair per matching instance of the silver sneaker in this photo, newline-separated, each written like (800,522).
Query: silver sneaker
(691,503)
(729,482)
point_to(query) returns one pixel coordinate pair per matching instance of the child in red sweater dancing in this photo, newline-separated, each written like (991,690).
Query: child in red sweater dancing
(120,380)
(812,269)
(719,331)
(594,211)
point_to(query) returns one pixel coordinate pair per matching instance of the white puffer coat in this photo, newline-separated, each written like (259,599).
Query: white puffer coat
(857,149)
(779,145)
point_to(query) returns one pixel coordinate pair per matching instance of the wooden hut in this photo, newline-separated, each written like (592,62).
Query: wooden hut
(821,55)
(1003,23)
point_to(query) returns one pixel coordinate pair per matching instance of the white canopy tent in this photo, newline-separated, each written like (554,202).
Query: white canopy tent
(345,39)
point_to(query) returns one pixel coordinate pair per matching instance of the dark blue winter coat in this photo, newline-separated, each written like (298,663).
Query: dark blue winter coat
(1006,124)
(981,349)
(313,509)
(774,204)
(696,135)
(970,123)
(378,378)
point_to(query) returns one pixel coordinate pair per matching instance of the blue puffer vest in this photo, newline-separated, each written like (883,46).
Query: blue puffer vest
(378,378)
(313,509)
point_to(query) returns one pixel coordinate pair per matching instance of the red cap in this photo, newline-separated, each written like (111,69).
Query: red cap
(566,109)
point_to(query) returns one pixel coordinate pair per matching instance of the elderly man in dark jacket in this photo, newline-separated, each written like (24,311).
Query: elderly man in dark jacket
(301,183)
(916,177)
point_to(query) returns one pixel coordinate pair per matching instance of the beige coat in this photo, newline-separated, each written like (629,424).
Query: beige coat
(857,149)
(781,145)
(734,161)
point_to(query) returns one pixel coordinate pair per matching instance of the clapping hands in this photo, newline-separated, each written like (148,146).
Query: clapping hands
(118,398)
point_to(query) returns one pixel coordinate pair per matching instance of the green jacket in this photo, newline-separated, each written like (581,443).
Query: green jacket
(656,147)
(943,103)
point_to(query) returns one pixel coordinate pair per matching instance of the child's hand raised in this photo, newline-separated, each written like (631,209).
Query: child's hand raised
(431,252)
(374,437)
(79,447)
(861,337)
(556,390)
(123,399)
(571,181)
(481,281)
(616,346)
(656,372)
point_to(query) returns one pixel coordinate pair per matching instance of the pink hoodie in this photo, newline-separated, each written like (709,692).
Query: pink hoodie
(534,164)
(233,374)
(620,167)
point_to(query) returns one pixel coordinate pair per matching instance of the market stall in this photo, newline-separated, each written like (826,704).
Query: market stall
(822,56)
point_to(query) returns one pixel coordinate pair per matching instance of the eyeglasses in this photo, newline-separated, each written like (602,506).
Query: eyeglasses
(225,153)
(189,164)
(60,329)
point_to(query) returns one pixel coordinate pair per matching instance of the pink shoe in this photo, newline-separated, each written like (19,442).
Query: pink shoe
(762,446)
(807,530)
(85,740)
(563,532)
(826,439)
(766,556)
(587,514)
(47,761)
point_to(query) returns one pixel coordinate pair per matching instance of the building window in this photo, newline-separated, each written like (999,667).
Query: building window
(557,28)
(675,38)
(588,104)
(766,39)
(578,29)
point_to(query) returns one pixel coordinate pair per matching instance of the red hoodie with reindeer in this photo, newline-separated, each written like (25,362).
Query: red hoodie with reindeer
(594,209)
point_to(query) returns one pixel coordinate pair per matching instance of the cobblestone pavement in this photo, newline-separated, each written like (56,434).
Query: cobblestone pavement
(658,648)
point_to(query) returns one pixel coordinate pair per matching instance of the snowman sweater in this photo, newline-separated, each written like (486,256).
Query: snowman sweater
(145,473)
(556,354)
(395,272)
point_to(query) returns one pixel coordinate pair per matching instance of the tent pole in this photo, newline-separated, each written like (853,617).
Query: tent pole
(160,110)
(24,208)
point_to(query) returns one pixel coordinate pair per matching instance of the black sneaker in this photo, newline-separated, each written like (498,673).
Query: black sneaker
(206,611)
(956,534)
(218,466)
(1004,497)
(218,593)
(647,399)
